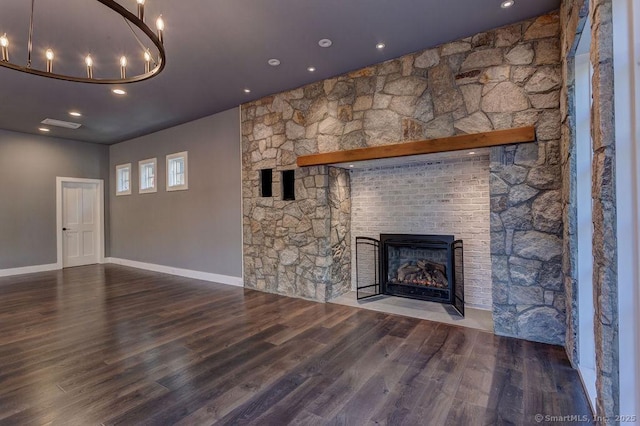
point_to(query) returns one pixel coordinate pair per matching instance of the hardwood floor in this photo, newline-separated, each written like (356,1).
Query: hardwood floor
(116,345)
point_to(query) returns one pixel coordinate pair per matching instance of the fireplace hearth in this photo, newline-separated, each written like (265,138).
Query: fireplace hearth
(425,267)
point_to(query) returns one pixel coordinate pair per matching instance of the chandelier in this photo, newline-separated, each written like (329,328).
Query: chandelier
(154,62)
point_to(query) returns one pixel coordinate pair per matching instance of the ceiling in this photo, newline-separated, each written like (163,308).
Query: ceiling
(215,50)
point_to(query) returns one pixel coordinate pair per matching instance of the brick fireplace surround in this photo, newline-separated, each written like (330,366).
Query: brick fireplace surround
(447,195)
(505,78)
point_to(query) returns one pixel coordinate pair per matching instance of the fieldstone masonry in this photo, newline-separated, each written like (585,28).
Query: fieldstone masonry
(605,253)
(605,281)
(340,205)
(509,77)
(287,248)
(526,242)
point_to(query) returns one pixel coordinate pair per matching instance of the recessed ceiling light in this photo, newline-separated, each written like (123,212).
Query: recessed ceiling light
(119,92)
(472,152)
(325,42)
(507,4)
(247,90)
(44,129)
(274,62)
(351,165)
(380,46)
(311,69)
(75,114)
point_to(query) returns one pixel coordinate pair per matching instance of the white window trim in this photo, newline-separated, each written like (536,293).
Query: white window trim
(118,168)
(185,186)
(583,102)
(626,61)
(142,163)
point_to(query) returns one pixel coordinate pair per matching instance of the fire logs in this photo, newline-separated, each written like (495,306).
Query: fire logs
(424,272)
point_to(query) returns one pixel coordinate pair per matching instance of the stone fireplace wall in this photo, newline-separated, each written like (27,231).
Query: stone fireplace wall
(508,77)
(340,205)
(526,242)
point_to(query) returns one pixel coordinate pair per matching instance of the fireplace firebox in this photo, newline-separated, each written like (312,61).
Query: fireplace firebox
(425,267)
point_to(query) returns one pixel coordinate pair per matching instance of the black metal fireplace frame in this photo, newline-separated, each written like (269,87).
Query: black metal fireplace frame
(435,242)
(454,295)
(368,288)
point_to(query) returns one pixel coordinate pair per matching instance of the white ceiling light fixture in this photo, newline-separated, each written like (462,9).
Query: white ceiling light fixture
(325,42)
(247,90)
(75,114)
(44,129)
(60,123)
(274,62)
(153,39)
(119,92)
(311,69)
(507,4)
(380,46)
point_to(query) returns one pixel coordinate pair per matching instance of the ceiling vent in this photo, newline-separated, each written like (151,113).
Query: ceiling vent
(60,123)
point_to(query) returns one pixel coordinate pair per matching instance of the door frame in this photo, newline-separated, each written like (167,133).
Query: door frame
(100,241)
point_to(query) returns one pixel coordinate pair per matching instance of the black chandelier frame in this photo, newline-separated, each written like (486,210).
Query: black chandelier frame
(156,39)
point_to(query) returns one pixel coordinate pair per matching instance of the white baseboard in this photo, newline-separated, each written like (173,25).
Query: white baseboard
(28,270)
(187,273)
(588,379)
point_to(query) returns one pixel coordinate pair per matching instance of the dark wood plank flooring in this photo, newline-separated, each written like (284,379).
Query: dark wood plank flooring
(116,345)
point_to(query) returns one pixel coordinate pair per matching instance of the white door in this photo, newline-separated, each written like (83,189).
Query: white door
(80,232)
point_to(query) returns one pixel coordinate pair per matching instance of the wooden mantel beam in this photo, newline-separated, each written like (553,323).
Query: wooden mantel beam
(453,143)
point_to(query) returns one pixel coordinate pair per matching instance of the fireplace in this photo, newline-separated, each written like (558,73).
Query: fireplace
(425,267)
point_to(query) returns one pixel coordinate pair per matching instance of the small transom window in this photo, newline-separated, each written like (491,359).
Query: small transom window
(147,170)
(177,172)
(123,179)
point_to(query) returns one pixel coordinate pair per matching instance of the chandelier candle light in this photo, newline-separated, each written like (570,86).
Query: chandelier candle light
(4,43)
(89,63)
(157,39)
(141,10)
(49,55)
(123,67)
(147,61)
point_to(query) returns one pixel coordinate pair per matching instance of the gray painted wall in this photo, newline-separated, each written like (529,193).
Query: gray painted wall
(198,229)
(29,165)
